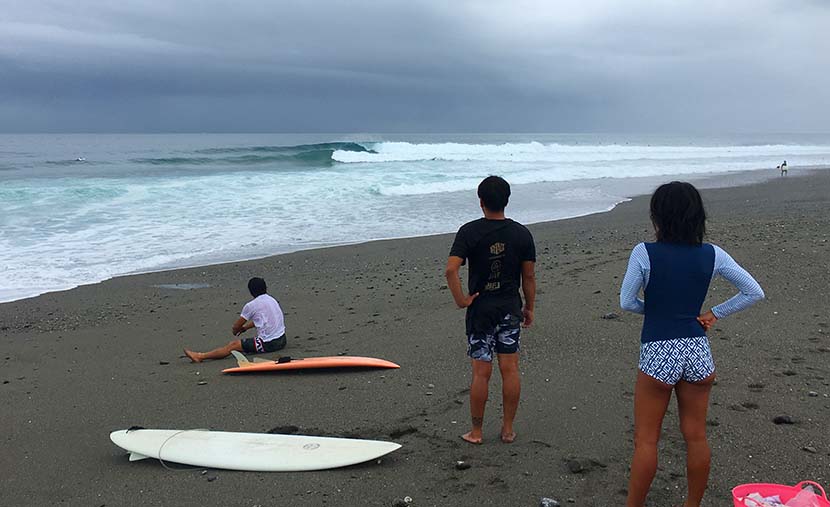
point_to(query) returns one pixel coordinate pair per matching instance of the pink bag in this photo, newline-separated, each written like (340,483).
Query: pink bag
(786,493)
(805,498)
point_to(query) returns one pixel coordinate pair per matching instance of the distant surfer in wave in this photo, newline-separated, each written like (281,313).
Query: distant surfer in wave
(264,313)
(502,259)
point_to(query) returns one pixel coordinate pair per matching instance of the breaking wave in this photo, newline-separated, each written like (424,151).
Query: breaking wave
(305,154)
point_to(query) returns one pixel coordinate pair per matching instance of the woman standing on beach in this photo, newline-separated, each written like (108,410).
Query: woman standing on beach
(674,273)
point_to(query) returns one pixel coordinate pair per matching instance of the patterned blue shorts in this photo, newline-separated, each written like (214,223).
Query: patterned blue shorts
(670,361)
(504,339)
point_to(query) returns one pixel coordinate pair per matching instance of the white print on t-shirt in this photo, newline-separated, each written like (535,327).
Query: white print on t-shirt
(267,316)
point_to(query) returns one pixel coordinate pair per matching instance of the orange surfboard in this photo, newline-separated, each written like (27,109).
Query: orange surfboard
(286,363)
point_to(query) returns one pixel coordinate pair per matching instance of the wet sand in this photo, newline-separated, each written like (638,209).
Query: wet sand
(81,363)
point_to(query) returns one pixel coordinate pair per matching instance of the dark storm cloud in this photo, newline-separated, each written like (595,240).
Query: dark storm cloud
(414,66)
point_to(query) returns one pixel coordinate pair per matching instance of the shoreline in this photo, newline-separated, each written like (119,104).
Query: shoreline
(81,363)
(702,180)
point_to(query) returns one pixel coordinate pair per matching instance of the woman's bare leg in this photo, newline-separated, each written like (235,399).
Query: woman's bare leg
(651,399)
(692,405)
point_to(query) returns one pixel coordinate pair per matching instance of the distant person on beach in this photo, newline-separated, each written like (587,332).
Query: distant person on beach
(264,313)
(675,272)
(783,168)
(502,259)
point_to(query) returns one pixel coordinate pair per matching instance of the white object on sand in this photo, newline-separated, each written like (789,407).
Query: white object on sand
(255,452)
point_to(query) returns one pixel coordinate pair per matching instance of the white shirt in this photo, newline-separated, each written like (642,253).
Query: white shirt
(267,316)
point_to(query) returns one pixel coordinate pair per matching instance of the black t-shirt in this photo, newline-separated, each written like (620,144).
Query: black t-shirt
(495,250)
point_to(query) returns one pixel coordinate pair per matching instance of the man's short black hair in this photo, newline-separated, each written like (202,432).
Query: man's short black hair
(494,193)
(257,286)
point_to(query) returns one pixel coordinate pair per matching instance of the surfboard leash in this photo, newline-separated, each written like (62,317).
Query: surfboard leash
(165,443)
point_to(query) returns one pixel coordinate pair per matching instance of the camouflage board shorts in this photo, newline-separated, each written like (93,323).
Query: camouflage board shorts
(503,339)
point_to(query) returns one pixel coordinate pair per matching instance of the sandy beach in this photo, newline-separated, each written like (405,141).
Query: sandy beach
(81,363)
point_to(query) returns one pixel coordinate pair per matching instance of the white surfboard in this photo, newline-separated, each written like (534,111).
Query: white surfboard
(254,452)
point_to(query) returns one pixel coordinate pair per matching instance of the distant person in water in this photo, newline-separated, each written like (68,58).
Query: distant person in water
(264,313)
(502,259)
(783,168)
(674,273)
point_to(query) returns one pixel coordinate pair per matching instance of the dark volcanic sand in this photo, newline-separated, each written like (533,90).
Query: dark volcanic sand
(81,363)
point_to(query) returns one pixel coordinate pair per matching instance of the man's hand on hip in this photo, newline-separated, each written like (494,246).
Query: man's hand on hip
(466,300)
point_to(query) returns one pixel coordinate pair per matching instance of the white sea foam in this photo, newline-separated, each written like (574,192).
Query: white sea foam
(558,153)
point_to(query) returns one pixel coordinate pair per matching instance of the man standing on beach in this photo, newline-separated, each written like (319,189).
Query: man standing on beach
(502,259)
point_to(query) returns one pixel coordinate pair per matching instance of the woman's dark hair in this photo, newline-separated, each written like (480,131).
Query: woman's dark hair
(494,192)
(257,286)
(677,213)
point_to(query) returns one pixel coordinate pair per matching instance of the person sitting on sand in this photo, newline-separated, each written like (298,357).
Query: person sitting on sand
(674,273)
(502,258)
(264,313)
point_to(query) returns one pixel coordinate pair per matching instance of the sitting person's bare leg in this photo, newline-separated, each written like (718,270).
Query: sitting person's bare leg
(217,353)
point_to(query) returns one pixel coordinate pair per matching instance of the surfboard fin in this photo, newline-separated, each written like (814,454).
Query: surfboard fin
(240,358)
(134,456)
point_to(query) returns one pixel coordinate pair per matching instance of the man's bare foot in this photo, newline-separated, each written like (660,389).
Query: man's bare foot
(471,438)
(509,437)
(194,356)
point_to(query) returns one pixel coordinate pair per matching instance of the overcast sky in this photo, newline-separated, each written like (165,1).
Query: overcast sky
(414,66)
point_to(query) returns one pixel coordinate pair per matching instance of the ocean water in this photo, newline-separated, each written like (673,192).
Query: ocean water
(77,209)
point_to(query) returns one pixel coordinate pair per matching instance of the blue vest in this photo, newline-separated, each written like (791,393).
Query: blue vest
(677,285)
